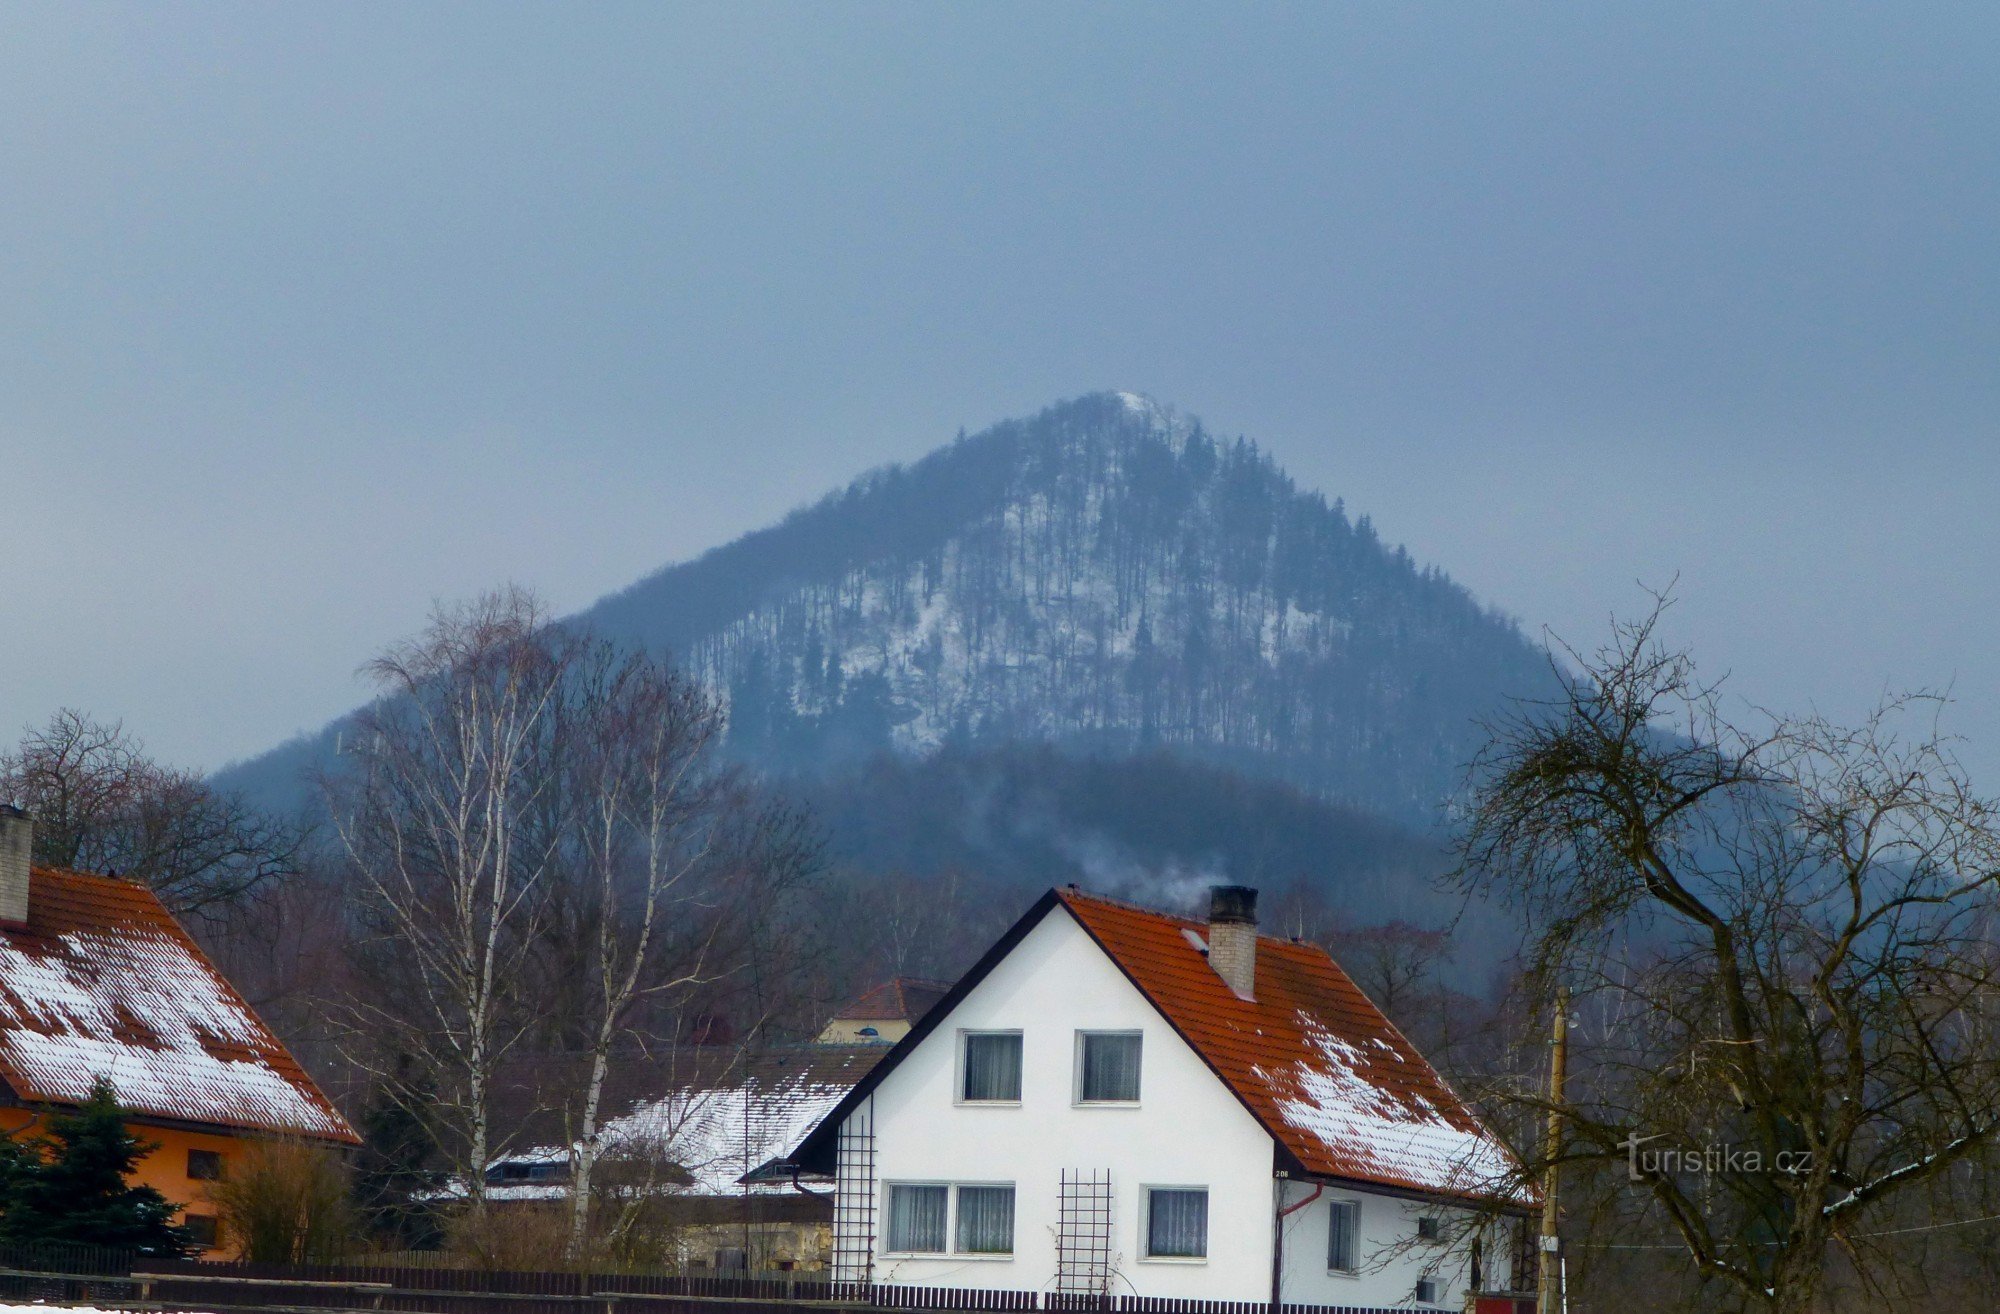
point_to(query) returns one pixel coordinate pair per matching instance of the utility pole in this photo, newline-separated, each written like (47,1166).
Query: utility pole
(1549,1279)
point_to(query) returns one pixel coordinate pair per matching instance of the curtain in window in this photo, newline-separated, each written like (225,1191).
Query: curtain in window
(986,1220)
(1344,1238)
(916,1218)
(1177,1223)
(1110,1066)
(993,1066)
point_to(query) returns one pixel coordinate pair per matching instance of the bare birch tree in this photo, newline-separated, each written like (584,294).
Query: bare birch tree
(1779,936)
(642,794)
(440,812)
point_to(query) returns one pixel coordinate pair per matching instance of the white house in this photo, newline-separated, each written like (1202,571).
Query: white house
(1124,1101)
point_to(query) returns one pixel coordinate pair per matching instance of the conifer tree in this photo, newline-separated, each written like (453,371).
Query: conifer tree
(72,1185)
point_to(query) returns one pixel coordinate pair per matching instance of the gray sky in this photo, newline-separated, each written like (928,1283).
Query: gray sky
(312,314)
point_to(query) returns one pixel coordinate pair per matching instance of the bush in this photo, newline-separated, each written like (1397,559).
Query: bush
(286,1202)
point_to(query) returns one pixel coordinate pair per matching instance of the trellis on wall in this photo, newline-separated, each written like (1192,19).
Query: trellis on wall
(1083,1231)
(854,1198)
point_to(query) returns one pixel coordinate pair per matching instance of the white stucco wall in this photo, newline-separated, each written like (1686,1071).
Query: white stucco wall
(1390,1257)
(1187,1130)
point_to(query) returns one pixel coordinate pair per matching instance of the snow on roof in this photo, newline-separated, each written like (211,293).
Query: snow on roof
(103,982)
(717,1130)
(1310,1056)
(721,1135)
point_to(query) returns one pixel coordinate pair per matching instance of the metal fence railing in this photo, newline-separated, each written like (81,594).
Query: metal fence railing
(113,1279)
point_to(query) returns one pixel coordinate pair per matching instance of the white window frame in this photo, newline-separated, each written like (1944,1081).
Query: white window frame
(1334,1206)
(1076,1066)
(888,1207)
(958,1067)
(952,1221)
(951,1250)
(1145,1212)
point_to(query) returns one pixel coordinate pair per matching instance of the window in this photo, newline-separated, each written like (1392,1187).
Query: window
(1429,1228)
(1343,1240)
(204,1165)
(992,1066)
(982,1223)
(202,1230)
(1427,1290)
(986,1220)
(732,1259)
(1107,1067)
(1177,1223)
(916,1219)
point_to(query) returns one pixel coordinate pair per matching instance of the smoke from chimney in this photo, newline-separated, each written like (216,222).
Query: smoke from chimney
(17,841)
(1232,937)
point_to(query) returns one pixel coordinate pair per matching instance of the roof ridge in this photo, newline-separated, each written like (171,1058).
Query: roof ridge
(1113,901)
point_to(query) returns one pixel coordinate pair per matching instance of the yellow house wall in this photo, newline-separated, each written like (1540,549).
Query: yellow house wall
(847,1031)
(165,1168)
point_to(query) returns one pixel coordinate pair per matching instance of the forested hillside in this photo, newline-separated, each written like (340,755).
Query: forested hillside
(1099,644)
(1104,574)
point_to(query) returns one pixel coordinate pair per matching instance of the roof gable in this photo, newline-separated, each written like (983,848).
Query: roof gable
(1340,1090)
(102,981)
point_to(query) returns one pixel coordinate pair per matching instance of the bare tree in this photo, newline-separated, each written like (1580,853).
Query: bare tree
(101,804)
(1394,963)
(1779,937)
(657,838)
(440,813)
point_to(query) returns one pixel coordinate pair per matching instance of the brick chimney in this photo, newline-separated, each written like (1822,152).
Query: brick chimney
(17,838)
(1232,937)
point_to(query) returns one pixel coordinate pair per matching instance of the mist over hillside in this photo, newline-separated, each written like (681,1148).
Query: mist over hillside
(1103,595)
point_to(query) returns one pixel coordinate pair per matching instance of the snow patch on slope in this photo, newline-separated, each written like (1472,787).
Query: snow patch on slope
(1334,1098)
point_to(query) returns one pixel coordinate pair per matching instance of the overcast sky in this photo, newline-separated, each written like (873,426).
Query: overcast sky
(310,314)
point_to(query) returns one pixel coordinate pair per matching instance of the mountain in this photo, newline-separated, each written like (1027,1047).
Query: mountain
(1106,575)
(1096,640)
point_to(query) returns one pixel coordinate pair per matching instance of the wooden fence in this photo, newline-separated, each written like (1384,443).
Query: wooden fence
(121,1280)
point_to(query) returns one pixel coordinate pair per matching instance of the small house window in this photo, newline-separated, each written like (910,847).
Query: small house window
(986,1220)
(1427,1291)
(1343,1241)
(992,1066)
(202,1230)
(204,1165)
(916,1219)
(1177,1223)
(732,1259)
(1429,1228)
(1107,1067)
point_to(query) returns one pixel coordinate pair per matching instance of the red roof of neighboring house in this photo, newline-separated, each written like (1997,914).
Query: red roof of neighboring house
(903,999)
(1341,1090)
(102,981)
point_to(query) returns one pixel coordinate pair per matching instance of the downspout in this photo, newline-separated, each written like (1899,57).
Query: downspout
(1279,1209)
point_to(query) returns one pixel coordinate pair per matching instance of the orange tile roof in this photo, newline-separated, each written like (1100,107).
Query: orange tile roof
(1312,1058)
(102,981)
(903,999)
(1341,1091)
